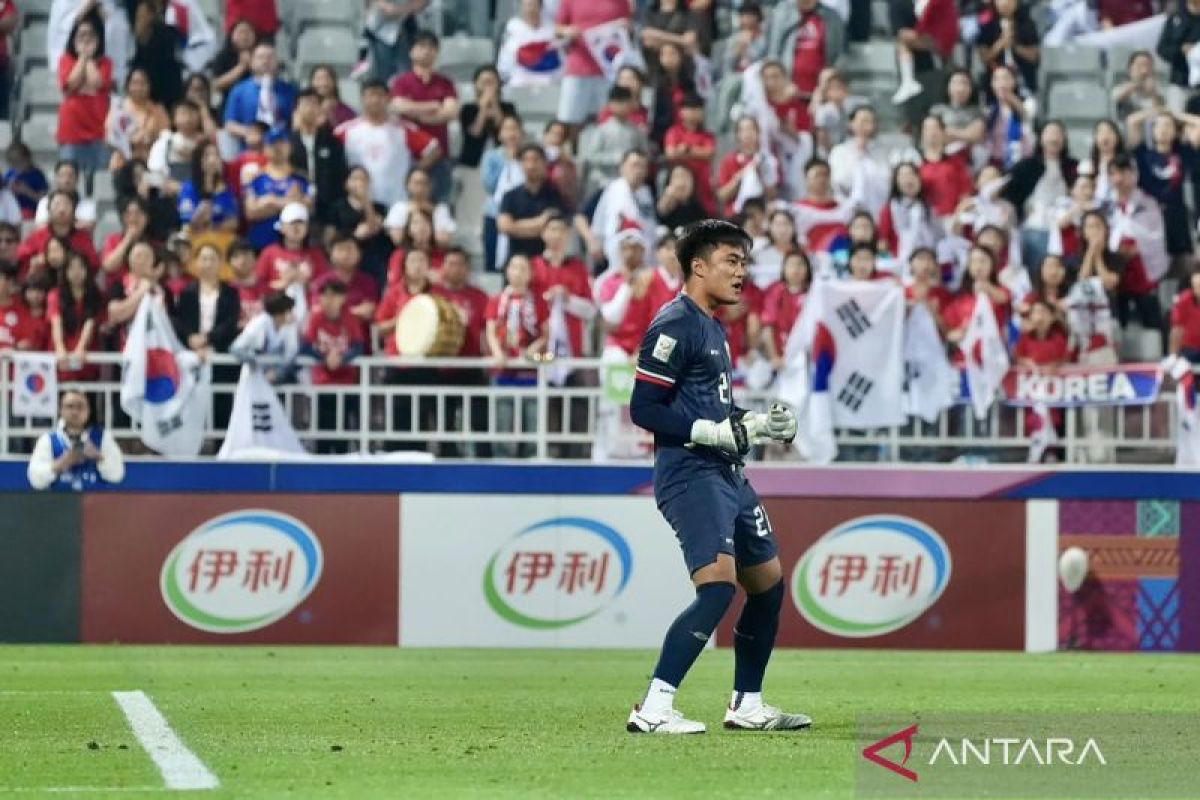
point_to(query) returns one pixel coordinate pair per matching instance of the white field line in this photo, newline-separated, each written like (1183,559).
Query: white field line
(76,789)
(180,768)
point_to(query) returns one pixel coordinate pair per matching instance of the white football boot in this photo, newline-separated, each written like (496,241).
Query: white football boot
(669,722)
(764,718)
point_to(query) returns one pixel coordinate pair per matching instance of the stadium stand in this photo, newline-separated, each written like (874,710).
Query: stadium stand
(440,122)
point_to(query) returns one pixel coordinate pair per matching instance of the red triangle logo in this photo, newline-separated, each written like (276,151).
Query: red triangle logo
(871,752)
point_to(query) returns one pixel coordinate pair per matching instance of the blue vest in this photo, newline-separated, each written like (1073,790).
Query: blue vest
(81,476)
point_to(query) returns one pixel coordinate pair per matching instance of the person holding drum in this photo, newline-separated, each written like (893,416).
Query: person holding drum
(517,330)
(415,322)
(471,303)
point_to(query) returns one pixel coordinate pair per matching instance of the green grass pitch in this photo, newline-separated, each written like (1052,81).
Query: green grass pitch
(391,723)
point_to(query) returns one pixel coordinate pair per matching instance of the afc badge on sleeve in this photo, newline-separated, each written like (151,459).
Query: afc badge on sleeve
(663,348)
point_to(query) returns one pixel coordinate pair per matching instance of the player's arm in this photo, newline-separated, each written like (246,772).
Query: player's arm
(662,360)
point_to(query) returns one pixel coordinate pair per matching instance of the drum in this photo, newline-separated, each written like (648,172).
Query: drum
(429,325)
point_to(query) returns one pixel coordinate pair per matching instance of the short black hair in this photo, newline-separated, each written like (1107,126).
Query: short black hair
(9,270)
(377,84)
(701,238)
(335,286)
(692,100)
(619,94)
(278,303)
(308,93)
(861,246)
(531,147)
(1122,161)
(238,247)
(816,161)
(425,37)
(342,238)
(751,8)
(922,251)
(484,69)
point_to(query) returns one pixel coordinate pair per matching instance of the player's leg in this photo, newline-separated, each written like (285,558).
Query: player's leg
(702,516)
(760,574)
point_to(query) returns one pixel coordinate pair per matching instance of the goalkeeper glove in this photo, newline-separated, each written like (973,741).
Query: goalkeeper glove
(730,435)
(781,423)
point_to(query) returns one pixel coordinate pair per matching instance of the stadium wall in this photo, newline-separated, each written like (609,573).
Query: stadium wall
(578,556)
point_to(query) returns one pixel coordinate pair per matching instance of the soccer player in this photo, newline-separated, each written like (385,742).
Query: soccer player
(683,395)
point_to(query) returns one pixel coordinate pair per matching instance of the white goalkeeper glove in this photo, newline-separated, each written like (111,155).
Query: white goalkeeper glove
(781,423)
(730,435)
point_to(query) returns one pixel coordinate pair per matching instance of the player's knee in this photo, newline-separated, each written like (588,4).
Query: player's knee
(714,599)
(771,599)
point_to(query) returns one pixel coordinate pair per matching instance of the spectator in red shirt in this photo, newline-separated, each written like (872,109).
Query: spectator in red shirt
(980,281)
(632,80)
(114,253)
(75,309)
(807,36)
(33,294)
(262,14)
(56,253)
(1185,321)
(585,87)
(563,282)
(927,286)
(361,290)
(31,253)
(782,304)
(746,172)
(517,330)
(947,179)
(417,234)
(413,281)
(624,298)
(1043,347)
(687,143)
(243,264)
(429,100)
(291,264)
(85,76)
(334,337)
(472,303)
(15,329)
(9,20)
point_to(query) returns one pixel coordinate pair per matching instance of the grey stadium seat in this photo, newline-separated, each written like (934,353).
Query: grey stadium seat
(1071,61)
(534,103)
(335,46)
(39,91)
(1076,103)
(871,60)
(39,133)
(302,14)
(460,56)
(31,51)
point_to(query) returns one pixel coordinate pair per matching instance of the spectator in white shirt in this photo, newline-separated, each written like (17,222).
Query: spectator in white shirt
(859,166)
(75,455)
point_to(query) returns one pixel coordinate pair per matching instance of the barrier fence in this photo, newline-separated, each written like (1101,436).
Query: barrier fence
(454,408)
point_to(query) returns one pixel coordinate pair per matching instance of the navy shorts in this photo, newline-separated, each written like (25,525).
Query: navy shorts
(718,511)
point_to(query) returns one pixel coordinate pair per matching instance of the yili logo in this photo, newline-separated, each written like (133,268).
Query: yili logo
(241,571)
(870,576)
(557,573)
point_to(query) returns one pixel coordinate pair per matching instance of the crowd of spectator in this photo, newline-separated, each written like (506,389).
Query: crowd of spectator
(245,191)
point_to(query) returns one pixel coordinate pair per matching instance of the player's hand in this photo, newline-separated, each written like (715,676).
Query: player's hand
(781,423)
(729,435)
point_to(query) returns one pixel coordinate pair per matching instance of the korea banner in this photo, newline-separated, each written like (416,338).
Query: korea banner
(166,389)
(611,47)
(855,335)
(35,385)
(258,424)
(1084,386)
(986,356)
(534,58)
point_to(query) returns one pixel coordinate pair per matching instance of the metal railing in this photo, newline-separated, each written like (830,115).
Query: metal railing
(450,406)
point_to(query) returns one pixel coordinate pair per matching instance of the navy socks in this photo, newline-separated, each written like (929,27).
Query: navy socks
(691,630)
(754,638)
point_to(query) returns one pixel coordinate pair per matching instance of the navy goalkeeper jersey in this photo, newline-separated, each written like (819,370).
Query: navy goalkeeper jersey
(685,351)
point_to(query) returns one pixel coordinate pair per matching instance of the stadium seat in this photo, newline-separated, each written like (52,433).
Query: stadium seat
(335,46)
(35,9)
(1076,103)
(460,56)
(108,224)
(31,51)
(39,133)
(102,189)
(6,136)
(1080,141)
(869,61)
(466,91)
(351,93)
(302,14)
(39,91)
(1070,62)
(1140,344)
(538,103)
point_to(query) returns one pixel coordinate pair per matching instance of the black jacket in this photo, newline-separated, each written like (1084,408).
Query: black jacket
(1181,28)
(225,328)
(1024,177)
(331,169)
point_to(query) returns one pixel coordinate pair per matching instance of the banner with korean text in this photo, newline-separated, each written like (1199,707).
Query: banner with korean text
(537,571)
(230,568)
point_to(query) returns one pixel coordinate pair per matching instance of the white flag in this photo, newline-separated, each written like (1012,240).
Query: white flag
(35,385)
(611,47)
(1187,412)
(559,343)
(167,390)
(258,422)
(931,382)
(986,356)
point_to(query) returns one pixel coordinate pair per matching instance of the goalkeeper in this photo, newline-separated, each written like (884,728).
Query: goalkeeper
(684,396)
